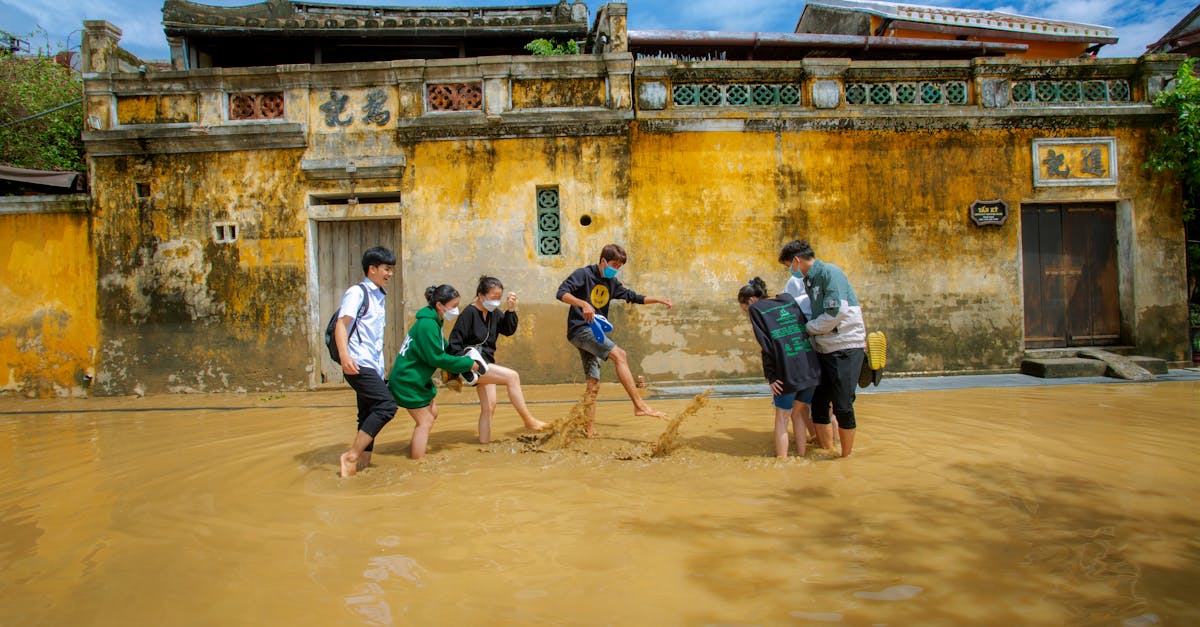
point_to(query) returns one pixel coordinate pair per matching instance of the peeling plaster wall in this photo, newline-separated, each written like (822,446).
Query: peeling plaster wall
(48,322)
(702,199)
(179,312)
(470,209)
(711,210)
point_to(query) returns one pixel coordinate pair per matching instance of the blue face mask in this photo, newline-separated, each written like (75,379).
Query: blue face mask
(609,272)
(796,273)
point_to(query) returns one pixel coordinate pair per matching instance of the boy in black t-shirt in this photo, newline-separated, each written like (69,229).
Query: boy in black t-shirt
(588,291)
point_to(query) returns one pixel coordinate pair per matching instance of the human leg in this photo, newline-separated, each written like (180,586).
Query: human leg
(376,407)
(802,423)
(783,412)
(782,417)
(820,408)
(487,408)
(590,391)
(802,419)
(846,366)
(589,351)
(510,379)
(423,417)
(625,376)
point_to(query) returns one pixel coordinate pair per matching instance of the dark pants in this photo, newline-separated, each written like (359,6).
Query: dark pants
(376,407)
(839,375)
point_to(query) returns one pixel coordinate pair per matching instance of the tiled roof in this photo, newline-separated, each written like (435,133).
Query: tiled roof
(972,18)
(284,15)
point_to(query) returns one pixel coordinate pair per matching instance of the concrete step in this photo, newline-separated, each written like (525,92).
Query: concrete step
(1062,353)
(1155,366)
(1063,367)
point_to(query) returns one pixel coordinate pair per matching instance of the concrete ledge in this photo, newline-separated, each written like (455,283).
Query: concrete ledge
(1063,367)
(49,203)
(195,138)
(1155,366)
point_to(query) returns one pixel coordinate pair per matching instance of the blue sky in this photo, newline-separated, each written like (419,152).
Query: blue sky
(1138,22)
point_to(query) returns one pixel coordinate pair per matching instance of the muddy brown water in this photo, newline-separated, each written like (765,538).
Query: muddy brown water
(1072,505)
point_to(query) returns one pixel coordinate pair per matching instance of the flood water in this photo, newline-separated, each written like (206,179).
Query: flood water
(1073,505)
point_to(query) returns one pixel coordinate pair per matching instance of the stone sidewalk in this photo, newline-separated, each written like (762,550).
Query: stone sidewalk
(913,384)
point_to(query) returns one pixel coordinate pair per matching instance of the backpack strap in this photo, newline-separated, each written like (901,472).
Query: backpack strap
(362,310)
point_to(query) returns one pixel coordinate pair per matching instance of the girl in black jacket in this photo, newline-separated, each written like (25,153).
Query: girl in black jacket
(789,363)
(479,325)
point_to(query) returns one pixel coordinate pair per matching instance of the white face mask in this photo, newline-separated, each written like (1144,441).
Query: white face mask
(450,314)
(491,305)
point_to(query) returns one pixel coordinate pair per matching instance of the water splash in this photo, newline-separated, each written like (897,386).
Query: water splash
(669,440)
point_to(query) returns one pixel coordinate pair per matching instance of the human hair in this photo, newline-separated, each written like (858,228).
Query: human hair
(378,256)
(487,284)
(796,248)
(613,252)
(754,288)
(440,294)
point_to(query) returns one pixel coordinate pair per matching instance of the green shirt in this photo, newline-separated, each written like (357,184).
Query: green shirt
(423,351)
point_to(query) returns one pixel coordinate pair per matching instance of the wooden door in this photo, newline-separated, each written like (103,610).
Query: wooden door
(340,246)
(1070,275)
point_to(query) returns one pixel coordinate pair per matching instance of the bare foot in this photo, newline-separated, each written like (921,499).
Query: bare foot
(536,425)
(349,463)
(646,410)
(590,430)
(364,460)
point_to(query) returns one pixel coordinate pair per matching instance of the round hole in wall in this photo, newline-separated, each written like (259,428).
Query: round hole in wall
(585,221)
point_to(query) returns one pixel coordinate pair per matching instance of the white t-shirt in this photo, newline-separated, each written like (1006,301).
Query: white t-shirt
(796,288)
(366,342)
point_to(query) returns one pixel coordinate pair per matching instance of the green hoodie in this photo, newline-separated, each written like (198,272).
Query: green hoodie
(423,351)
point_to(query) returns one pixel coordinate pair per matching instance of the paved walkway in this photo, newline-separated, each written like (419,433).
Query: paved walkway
(910,384)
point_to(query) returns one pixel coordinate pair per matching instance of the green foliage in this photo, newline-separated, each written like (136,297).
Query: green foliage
(1178,150)
(547,47)
(29,85)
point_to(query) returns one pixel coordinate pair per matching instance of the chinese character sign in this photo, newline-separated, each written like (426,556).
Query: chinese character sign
(1065,161)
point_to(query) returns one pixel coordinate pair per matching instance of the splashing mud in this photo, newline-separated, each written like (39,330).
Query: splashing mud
(565,431)
(669,440)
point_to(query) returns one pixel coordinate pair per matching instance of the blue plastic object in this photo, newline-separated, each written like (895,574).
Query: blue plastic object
(600,325)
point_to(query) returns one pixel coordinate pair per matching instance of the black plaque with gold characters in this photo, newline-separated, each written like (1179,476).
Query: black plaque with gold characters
(989,212)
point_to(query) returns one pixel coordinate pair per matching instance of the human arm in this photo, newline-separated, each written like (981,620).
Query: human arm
(460,335)
(651,300)
(341,336)
(348,312)
(833,310)
(762,336)
(427,347)
(566,293)
(508,323)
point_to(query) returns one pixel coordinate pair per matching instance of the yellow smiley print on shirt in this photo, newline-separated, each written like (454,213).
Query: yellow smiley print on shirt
(599,296)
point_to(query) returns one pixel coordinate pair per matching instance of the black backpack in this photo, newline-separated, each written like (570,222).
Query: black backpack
(330,342)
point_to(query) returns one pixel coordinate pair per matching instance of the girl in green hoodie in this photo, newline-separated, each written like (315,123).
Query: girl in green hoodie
(422,352)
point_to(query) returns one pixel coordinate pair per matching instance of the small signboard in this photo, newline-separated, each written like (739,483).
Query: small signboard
(1070,161)
(989,212)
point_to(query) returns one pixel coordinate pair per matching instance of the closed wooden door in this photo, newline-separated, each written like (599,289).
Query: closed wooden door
(1069,255)
(340,246)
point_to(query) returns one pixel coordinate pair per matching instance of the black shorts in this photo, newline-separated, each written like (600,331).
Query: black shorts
(376,407)
(839,376)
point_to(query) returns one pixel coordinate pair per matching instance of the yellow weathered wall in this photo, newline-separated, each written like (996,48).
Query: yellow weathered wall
(711,210)
(469,210)
(527,94)
(156,109)
(48,287)
(179,312)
